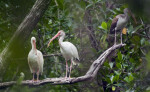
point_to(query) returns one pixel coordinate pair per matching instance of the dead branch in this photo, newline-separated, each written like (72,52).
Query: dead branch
(91,73)
(50,55)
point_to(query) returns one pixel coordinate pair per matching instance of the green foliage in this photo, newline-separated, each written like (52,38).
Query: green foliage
(75,17)
(103,26)
(121,71)
(21,78)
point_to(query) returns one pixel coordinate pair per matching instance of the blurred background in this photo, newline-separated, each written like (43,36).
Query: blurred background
(86,24)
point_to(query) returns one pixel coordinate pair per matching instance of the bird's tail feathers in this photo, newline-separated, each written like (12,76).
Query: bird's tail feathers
(75,62)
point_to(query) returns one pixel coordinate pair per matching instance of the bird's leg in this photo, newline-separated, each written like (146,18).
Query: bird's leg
(37,76)
(32,78)
(70,69)
(66,69)
(121,36)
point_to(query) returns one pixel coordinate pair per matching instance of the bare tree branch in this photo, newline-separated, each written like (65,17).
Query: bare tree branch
(91,73)
(50,55)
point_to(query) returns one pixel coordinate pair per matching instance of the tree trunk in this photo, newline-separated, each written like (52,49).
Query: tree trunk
(23,31)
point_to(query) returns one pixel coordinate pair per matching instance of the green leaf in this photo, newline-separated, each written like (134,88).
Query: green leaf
(112,78)
(131,60)
(118,65)
(111,64)
(116,78)
(106,64)
(119,56)
(136,40)
(131,77)
(82,4)
(138,27)
(107,80)
(103,26)
(50,22)
(20,79)
(89,5)
(117,73)
(60,3)
(118,84)
(126,79)
(130,30)
(143,41)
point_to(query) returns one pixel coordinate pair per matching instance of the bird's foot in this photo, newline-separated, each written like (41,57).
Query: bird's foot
(69,78)
(66,77)
(37,81)
(32,81)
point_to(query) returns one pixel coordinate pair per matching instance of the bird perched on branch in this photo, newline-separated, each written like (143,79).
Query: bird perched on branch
(68,50)
(35,60)
(119,22)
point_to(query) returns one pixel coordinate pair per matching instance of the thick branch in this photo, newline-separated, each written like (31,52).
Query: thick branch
(91,73)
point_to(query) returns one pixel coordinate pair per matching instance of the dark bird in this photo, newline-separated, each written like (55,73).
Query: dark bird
(119,22)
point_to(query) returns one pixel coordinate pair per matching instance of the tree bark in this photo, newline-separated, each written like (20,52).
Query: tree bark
(91,73)
(23,31)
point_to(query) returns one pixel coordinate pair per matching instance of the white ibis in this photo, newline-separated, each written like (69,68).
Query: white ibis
(68,50)
(119,22)
(35,60)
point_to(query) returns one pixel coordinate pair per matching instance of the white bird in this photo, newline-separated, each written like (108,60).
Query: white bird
(35,60)
(68,50)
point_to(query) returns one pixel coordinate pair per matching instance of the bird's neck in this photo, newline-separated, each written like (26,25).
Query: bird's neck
(34,47)
(61,39)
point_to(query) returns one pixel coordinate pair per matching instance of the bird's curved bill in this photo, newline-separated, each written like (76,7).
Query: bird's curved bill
(53,38)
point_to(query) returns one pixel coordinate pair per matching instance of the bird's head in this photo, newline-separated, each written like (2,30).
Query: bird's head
(126,11)
(33,40)
(59,34)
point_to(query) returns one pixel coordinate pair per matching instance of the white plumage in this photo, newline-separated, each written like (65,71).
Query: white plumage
(121,23)
(35,60)
(68,50)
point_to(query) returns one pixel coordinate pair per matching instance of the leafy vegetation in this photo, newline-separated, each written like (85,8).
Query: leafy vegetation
(86,24)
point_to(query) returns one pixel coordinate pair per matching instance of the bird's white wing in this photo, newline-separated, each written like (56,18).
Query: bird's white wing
(29,63)
(40,61)
(74,50)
